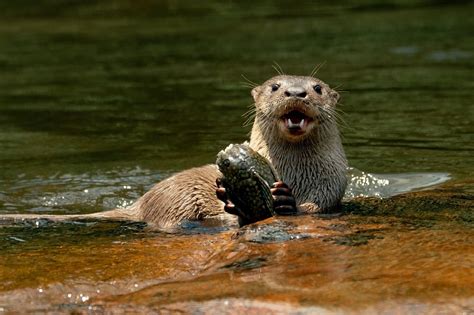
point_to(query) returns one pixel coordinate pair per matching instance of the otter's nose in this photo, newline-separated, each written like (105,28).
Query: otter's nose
(296,91)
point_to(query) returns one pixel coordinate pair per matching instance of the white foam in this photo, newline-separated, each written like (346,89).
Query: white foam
(361,184)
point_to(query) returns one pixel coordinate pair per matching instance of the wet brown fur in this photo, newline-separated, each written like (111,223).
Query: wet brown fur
(190,194)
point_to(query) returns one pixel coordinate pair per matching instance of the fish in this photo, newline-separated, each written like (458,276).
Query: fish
(247,177)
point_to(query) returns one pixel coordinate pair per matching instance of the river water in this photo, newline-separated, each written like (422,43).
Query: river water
(100,100)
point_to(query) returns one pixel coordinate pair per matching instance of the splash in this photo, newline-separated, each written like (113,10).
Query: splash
(362,184)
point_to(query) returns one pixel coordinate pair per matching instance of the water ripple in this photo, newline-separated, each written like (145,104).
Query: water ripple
(76,193)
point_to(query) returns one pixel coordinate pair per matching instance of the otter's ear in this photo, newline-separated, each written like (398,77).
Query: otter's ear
(256,92)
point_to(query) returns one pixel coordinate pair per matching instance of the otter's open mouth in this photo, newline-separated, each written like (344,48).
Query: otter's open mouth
(296,122)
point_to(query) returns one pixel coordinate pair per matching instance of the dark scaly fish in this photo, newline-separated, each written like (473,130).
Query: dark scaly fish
(247,177)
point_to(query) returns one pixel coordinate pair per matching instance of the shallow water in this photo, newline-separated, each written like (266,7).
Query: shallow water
(98,101)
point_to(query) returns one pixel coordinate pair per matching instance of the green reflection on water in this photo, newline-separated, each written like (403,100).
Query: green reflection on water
(158,84)
(90,88)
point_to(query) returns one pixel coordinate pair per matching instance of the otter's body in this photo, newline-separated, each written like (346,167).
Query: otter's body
(187,195)
(318,180)
(294,127)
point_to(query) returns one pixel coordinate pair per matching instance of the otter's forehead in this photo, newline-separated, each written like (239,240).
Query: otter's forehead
(293,80)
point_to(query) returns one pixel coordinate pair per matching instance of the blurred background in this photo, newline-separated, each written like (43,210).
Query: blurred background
(100,99)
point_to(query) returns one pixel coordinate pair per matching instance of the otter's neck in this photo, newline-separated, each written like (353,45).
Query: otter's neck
(314,168)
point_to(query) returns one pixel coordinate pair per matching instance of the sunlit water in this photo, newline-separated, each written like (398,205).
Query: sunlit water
(99,101)
(68,193)
(361,184)
(86,192)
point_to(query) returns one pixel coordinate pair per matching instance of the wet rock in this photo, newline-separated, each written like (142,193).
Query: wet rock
(275,232)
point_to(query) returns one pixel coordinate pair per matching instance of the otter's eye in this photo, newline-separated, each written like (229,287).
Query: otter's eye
(275,87)
(317,88)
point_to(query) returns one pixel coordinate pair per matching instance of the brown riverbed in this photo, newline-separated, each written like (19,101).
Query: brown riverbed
(410,253)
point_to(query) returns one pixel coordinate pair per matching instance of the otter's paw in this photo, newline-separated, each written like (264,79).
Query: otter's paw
(283,200)
(229,207)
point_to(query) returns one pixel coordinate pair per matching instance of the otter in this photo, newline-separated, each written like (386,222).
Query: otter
(294,127)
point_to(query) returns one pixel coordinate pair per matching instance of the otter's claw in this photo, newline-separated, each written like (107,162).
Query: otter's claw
(283,200)
(229,207)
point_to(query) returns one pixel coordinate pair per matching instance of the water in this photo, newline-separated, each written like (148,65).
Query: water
(98,101)
(362,184)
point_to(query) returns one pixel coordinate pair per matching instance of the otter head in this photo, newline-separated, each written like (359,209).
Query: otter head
(294,107)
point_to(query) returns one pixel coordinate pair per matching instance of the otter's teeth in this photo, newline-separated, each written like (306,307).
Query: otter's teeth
(294,125)
(301,124)
(291,124)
